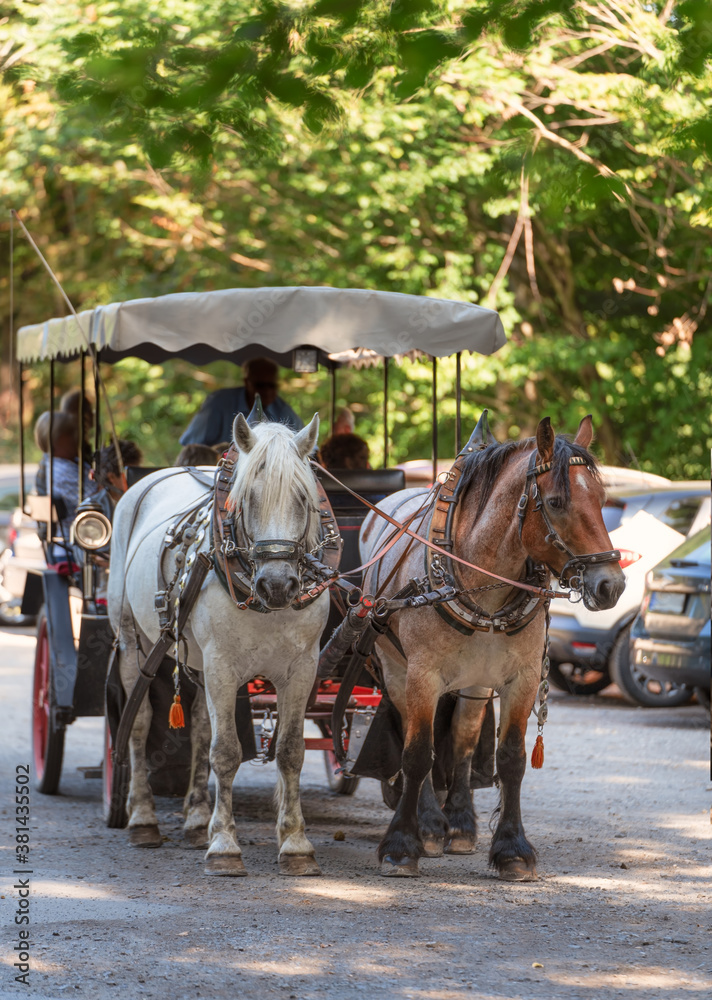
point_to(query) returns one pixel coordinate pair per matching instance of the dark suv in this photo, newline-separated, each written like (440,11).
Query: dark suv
(671,635)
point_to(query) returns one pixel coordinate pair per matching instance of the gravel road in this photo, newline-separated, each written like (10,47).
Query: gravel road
(620,815)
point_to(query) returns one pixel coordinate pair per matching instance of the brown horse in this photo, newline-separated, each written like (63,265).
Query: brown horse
(522,510)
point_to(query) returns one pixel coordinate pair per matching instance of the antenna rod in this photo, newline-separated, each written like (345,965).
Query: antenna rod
(73,311)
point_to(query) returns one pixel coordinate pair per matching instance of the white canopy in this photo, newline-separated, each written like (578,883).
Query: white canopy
(237,323)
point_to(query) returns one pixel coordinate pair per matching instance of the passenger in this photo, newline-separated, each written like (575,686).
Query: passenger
(112,485)
(197,454)
(69,403)
(41,434)
(213,422)
(345,451)
(344,423)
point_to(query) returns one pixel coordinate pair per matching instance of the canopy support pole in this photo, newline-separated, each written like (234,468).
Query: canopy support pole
(435,418)
(81,426)
(50,457)
(385,412)
(97,421)
(332,399)
(21,413)
(458,402)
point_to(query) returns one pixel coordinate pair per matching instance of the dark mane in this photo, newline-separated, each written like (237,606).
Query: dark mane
(482,468)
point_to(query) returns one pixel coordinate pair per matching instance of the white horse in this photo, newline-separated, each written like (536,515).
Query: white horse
(275,490)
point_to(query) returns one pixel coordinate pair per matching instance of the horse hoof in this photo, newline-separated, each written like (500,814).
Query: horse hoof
(433,847)
(225,864)
(460,845)
(402,868)
(197,837)
(145,836)
(517,870)
(298,864)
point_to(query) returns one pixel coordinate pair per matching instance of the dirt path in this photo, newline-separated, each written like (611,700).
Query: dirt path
(619,814)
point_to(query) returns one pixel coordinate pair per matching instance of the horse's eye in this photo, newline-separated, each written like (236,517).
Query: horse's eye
(556,503)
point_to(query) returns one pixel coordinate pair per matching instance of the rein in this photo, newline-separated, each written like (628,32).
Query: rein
(405,530)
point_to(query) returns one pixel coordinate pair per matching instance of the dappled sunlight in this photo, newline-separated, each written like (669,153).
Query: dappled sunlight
(348,891)
(697,826)
(650,979)
(659,890)
(38,964)
(70,890)
(624,779)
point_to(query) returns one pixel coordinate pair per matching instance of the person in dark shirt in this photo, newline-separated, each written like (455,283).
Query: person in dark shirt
(213,422)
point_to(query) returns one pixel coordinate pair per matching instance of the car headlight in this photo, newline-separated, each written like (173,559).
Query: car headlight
(91,530)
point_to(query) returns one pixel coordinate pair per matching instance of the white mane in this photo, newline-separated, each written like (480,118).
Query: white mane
(275,461)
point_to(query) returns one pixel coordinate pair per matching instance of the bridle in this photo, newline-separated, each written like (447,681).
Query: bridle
(237,556)
(576,565)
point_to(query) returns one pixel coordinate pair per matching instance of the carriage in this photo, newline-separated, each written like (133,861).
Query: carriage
(303,328)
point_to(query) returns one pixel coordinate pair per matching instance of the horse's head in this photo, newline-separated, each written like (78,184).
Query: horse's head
(274,491)
(561,522)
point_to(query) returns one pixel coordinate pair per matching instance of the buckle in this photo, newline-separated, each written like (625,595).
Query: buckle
(160,601)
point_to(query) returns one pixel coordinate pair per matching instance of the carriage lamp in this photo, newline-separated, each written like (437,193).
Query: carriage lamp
(91,530)
(305,360)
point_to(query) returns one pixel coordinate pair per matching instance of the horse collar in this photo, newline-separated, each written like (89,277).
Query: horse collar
(461,613)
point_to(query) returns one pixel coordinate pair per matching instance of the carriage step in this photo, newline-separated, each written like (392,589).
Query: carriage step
(91,772)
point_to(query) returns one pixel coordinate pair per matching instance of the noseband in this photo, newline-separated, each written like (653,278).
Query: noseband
(576,565)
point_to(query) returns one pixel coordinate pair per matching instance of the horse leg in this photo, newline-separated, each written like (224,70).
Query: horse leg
(224,856)
(402,845)
(459,809)
(511,853)
(296,853)
(143,822)
(432,822)
(196,806)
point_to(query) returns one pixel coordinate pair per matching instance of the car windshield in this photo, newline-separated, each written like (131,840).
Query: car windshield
(681,513)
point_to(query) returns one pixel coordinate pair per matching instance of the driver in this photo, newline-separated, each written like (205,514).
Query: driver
(213,422)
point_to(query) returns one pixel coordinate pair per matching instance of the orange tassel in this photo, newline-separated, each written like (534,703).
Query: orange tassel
(176,719)
(538,752)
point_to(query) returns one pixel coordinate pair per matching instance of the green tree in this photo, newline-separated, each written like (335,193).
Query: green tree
(538,166)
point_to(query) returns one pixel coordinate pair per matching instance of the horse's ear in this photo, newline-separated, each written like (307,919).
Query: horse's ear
(545,440)
(584,435)
(256,414)
(305,441)
(480,437)
(242,434)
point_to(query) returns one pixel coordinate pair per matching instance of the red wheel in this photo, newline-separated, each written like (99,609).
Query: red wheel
(114,796)
(47,733)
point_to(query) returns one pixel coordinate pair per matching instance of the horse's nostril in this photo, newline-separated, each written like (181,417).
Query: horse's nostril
(292,588)
(262,591)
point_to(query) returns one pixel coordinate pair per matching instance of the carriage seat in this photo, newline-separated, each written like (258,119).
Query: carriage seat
(372,484)
(136,472)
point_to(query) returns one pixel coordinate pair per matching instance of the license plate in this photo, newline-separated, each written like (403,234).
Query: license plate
(663,603)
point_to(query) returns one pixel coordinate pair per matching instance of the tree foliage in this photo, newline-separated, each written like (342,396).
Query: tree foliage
(548,159)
